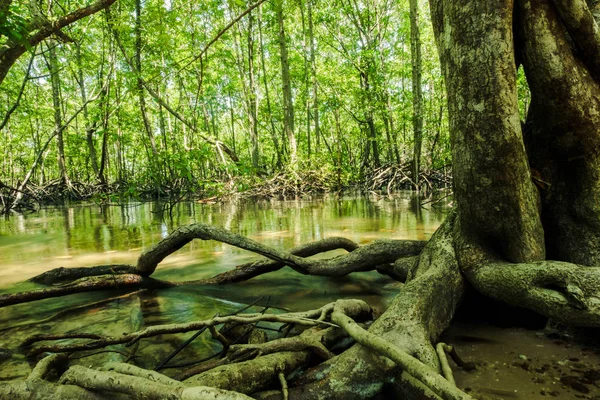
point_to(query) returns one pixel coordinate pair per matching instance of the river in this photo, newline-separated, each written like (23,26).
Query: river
(86,235)
(512,362)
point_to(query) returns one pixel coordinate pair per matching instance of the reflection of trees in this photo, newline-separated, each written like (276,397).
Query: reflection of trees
(67,227)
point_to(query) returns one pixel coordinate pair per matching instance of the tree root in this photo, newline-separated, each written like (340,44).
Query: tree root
(146,388)
(91,284)
(444,388)
(413,322)
(62,274)
(362,259)
(566,292)
(398,349)
(250,270)
(317,317)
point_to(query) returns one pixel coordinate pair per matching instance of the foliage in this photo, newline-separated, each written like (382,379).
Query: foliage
(210,91)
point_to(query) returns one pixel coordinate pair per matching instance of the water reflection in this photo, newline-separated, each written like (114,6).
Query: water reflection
(91,234)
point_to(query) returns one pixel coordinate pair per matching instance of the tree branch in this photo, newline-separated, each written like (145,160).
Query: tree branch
(10,54)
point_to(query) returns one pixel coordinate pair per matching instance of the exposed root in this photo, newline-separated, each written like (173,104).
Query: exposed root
(413,322)
(566,292)
(356,308)
(102,282)
(142,387)
(441,349)
(427,375)
(62,274)
(250,270)
(362,259)
(284,386)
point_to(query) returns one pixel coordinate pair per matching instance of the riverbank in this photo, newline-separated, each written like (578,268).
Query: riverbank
(383,180)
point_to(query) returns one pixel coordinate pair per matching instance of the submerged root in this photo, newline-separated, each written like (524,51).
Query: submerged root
(356,308)
(398,349)
(359,258)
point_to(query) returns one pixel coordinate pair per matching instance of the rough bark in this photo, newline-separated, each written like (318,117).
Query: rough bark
(417,91)
(413,322)
(565,292)
(563,124)
(496,199)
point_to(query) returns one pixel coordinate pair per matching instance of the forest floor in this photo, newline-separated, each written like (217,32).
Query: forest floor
(523,364)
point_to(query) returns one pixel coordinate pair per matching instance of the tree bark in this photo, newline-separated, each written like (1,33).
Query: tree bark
(417,91)
(55,81)
(563,142)
(497,201)
(288,105)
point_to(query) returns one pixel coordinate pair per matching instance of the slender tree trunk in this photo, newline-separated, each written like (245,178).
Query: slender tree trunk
(392,129)
(288,106)
(253,97)
(232,120)
(313,69)
(55,81)
(89,128)
(415,52)
(278,150)
(371,130)
(105,121)
(154,168)
(306,80)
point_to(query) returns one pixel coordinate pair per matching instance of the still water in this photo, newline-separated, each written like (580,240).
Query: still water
(86,235)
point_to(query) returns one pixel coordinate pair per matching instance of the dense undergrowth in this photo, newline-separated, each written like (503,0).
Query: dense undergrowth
(223,185)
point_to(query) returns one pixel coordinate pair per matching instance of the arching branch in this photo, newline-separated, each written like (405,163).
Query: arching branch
(10,53)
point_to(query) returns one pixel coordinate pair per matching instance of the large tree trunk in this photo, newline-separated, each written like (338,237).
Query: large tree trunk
(497,201)
(563,125)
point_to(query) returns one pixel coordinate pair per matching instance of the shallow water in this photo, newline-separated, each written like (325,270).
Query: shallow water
(512,362)
(85,235)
